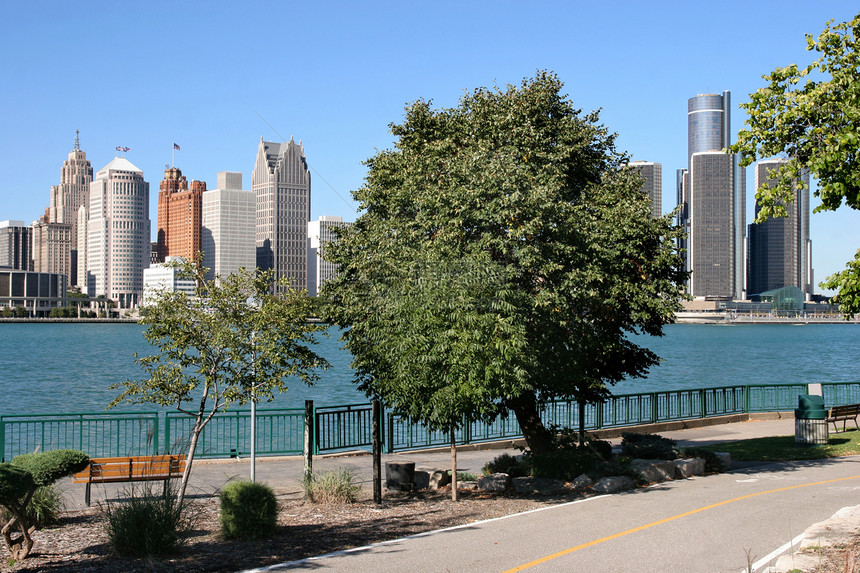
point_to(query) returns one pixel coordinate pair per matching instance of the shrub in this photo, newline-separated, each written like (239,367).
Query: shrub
(49,466)
(149,522)
(15,484)
(648,446)
(335,486)
(248,510)
(514,466)
(45,507)
(616,467)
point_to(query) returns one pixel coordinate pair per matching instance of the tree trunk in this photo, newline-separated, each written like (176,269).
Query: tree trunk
(189,459)
(538,438)
(19,546)
(453,467)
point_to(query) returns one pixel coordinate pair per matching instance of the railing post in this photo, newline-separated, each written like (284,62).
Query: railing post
(702,404)
(166,432)
(309,443)
(654,408)
(390,430)
(155,436)
(746,399)
(2,440)
(377,451)
(467,431)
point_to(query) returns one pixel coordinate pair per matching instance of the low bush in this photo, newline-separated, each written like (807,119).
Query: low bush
(49,466)
(248,510)
(334,486)
(649,447)
(616,467)
(149,522)
(45,507)
(514,466)
(465,476)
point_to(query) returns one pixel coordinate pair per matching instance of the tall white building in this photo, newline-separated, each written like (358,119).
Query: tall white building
(229,215)
(118,233)
(281,182)
(320,233)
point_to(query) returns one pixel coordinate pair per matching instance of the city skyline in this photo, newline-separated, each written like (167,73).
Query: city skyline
(359,66)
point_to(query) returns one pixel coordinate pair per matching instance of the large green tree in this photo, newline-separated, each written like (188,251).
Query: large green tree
(503,257)
(811,116)
(230,342)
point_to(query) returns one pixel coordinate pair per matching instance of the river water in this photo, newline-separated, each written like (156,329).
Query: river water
(54,368)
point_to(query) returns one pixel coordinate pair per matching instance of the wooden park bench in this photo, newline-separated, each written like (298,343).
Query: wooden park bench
(843,414)
(131,469)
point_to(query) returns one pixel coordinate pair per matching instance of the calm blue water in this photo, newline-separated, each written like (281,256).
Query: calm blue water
(51,368)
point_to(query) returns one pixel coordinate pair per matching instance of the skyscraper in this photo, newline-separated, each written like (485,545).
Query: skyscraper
(66,199)
(118,233)
(320,233)
(229,214)
(180,212)
(779,248)
(281,182)
(52,247)
(652,173)
(713,187)
(16,243)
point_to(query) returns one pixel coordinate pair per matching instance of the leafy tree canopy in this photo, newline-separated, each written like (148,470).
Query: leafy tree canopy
(810,115)
(503,256)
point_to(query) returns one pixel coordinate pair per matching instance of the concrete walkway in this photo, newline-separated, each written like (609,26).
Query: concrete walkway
(284,474)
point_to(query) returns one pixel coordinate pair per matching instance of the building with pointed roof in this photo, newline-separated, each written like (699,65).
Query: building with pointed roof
(66,199)
(281,183)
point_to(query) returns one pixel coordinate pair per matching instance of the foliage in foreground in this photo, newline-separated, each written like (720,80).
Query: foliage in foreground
(230,342)
(249,510)
(809,114)
(148,522)
(333,486)
(19,482)
(784,448)
(43,510)
(503,257)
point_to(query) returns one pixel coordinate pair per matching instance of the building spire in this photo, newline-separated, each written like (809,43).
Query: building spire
(77,140)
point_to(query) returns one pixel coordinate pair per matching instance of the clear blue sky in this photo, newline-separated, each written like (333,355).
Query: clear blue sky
(215,76)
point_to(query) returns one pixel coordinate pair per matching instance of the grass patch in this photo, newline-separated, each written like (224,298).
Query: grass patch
(783,448)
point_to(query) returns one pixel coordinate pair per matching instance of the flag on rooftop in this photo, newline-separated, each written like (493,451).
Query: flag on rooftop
(176,147)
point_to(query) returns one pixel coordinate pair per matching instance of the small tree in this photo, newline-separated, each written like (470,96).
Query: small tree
(19,481)
(229,343)
(810,114)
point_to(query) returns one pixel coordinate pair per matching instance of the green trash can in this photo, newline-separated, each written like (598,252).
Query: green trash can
(810,407)
(810,427)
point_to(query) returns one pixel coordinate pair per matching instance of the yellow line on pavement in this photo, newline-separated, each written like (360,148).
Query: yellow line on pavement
(666,520)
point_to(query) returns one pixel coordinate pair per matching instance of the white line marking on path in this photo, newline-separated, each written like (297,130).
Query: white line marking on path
(775,553)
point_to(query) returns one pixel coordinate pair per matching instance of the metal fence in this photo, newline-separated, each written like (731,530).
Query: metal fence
(281,431)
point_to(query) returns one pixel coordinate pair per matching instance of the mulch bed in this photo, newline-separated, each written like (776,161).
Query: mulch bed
(79,543)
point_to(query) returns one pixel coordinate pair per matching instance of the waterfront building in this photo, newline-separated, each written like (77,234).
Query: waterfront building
(118,233)
(37,292)
(66,200)
(320,234)
(652,173)
(779,248)
(281,183)
(52,247)
(713,190)
(180,210)
(16,239)
(229,215)
(165,277)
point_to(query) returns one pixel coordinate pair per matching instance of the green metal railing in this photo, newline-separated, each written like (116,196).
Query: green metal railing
(281,431)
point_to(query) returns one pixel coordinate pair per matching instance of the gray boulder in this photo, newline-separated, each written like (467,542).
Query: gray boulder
(582,482)
(689,467)
(613,484)
(654,470)
(494,482)
(537,485)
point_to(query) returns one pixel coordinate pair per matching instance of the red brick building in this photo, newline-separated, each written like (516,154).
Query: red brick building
(180,216)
